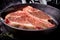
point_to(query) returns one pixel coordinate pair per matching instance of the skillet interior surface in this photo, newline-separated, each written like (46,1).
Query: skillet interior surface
(46,8)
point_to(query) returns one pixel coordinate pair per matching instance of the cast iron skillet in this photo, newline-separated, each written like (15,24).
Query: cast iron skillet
(53,12)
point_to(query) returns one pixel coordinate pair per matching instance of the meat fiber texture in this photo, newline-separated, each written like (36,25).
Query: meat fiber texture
(29,18)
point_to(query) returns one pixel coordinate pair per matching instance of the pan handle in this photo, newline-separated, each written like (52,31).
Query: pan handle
(2,28)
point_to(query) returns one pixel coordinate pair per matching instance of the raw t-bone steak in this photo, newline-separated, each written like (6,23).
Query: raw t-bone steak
(29,18)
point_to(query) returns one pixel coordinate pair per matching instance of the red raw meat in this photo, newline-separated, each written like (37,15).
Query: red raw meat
(29,18)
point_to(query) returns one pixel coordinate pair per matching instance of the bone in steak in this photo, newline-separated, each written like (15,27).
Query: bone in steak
(29,18)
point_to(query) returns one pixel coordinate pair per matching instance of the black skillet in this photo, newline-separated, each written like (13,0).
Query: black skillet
(53,12)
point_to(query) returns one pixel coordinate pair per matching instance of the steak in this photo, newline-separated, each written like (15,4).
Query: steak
(28,19)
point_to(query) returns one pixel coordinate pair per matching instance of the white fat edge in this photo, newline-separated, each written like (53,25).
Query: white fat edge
(27,25)
(46,20)
(13,16)
(16,16)
(8,15)
(19,11)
